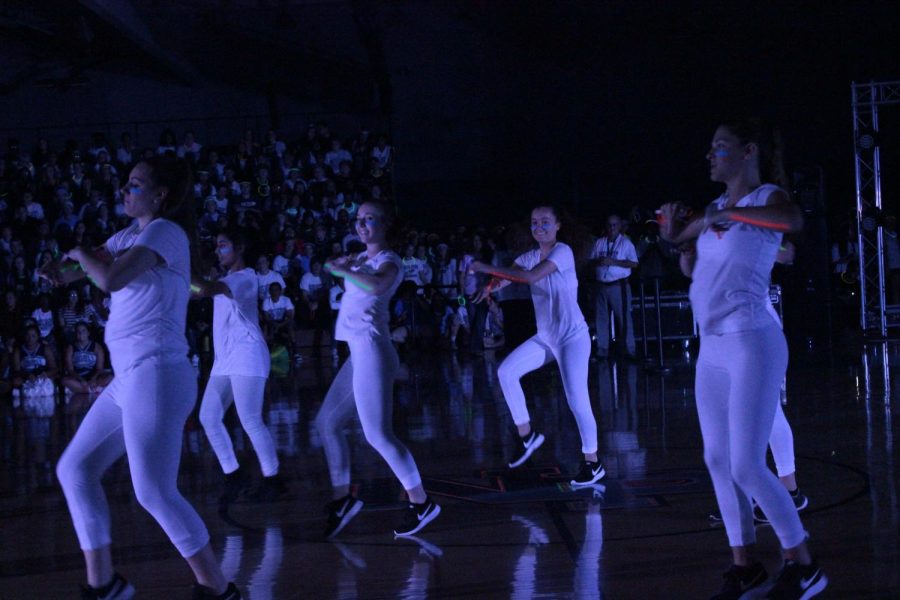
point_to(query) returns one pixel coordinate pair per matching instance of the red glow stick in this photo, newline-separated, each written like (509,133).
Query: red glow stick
(512,278)
(760,223)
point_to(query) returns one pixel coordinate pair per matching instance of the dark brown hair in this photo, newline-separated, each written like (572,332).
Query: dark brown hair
(754,130)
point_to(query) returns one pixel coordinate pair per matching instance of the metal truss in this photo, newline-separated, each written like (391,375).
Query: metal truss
(867,99)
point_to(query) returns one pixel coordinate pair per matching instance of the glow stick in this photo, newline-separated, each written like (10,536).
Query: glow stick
(507,277)
(195,288)
(760,223)
(353,280)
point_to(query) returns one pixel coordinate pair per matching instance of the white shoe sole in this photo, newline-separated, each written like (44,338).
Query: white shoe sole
(815,589)
(357,506)
(538,442)
(597,477)
(431,517)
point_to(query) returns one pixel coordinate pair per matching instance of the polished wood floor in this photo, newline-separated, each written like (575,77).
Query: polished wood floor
(644,533)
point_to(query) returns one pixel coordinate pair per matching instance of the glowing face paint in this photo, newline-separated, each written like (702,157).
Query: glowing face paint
(131,189)
(367,221)
(720,153)
(545,226)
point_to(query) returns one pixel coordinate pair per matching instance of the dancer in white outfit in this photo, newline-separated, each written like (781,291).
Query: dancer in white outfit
(366,381)
(743,353)
(142,411)
(562,335)
(781,440)
(240,369)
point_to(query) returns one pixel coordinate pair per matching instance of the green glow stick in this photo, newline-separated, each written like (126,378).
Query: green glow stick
(195,288)
(353,280)
(72,267)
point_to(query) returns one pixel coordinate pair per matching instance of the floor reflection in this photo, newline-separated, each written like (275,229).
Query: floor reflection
(523,534)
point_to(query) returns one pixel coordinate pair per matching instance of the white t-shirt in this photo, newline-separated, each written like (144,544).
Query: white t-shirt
(416,270)
(334,296)
(264,281)
(363,314)
(277,310)
(730,287)
(620,249)
(311,284)
(44,321)
(147,316)
(237,339)
(555,297)
(281,264)
(470,280)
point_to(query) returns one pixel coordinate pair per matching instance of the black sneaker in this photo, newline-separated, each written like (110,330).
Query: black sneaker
(201,592)
(590,473)
(340,512)
(800,502)
(740,580)
(271,489)
(530,443)
(235,483)
(416,517)
(117,589)
(798,582)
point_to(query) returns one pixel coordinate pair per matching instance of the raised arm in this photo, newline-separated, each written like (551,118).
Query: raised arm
(112,277)
(208,289)
(375,283)
(779,214)
(515,273)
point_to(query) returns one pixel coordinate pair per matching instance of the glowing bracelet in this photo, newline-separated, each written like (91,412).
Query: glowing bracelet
(195,288)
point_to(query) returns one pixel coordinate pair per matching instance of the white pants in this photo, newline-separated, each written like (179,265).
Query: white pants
(572,358)
(737,390)
(365,384)
(781,443)
(141,414)
(247,393)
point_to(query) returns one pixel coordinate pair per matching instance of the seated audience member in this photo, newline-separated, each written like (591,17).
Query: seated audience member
(43,318)
(85,363)
(33,362)
(266,277)
(278,317)
(493,325)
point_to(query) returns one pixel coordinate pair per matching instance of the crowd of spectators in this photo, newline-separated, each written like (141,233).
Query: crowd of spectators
(298,196)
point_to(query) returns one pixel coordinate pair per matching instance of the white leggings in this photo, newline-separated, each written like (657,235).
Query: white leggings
(141,414)
(737,390)
(781,443)
(365,384)
(572,358)
(247,394)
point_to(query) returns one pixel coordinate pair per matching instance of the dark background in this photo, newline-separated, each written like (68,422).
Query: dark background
(489,104)
(603,105)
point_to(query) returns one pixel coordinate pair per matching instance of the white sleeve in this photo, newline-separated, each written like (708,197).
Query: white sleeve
(595,250)
(629,251)
(562,257)
(166,239)
(242,285)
